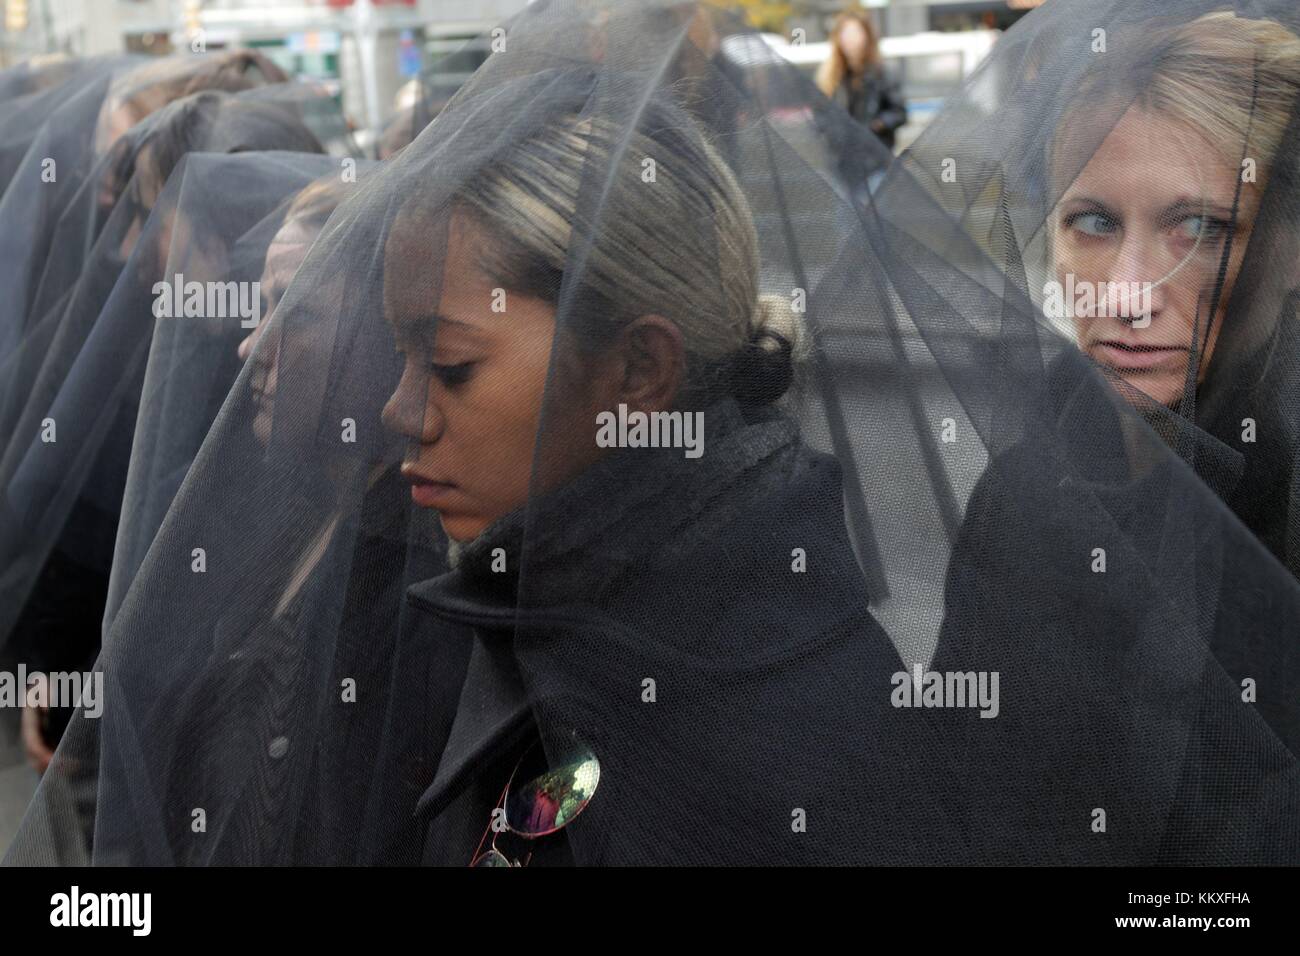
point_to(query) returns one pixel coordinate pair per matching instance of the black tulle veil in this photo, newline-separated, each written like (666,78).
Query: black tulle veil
(921,473)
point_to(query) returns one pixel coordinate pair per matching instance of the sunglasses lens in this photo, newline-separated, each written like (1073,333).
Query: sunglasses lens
(543,798)
(491,858)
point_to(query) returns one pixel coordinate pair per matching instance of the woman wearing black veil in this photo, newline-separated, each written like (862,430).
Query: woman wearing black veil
(36,74)
(74,143)
(1211,339)
(59,503)
(22,117)
(313,487)
(1165,219)
(666,514)
(246,219)
(655,334)
(147,88)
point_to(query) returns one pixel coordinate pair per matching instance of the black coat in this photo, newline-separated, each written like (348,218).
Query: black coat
(874,98)
(772,687)
(1121,690)
(286,770)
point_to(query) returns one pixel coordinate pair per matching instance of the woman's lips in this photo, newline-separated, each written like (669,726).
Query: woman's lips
(1121,355)
(430,494)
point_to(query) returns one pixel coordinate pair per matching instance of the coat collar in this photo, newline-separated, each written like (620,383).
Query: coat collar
(760,479)
(634,508)
(493,716)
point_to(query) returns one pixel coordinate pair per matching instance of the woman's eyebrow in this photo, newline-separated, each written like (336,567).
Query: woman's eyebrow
(1187,204)
(1085,201)
(422,329)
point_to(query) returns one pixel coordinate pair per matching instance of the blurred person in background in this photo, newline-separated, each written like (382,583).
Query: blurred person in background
(854,77)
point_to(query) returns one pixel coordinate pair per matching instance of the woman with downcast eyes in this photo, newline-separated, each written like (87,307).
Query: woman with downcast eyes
(654,305)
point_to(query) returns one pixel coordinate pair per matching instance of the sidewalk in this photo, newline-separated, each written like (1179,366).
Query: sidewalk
(17,780)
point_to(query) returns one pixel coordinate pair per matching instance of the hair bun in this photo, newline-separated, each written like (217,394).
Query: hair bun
(763,370)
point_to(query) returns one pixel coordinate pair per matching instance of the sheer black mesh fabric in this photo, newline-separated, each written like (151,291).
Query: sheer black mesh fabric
(1132,617)
(24,112)
(64,144)
(315,108)
(190,366)
(34,75)
(68,360)
(403,552)
(215,223)
(76,141)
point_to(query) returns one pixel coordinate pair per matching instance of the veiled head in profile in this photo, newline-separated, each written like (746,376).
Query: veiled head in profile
(304,218)
(145,90)
(658,285)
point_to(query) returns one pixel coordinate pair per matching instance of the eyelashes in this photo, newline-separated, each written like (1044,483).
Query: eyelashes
(1212,229)
(1096,224)
(1091,222)
(453,375)
(449,374)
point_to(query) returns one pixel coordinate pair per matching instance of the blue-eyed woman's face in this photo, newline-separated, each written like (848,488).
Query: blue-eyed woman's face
(1145,224)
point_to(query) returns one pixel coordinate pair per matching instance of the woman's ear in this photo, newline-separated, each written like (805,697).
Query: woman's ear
(652,356)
